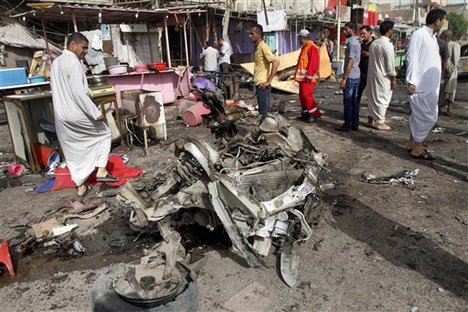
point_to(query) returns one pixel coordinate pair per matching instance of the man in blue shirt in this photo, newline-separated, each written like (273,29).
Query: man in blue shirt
(350,82)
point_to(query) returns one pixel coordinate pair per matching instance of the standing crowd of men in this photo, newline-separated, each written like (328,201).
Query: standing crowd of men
(368,69)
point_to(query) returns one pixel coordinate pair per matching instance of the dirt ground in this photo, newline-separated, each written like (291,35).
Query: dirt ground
(376,247)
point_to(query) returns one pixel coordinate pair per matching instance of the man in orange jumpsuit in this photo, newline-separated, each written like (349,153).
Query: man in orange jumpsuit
(307,75)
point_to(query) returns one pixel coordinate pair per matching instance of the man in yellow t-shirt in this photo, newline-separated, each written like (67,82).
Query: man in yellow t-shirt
(266,65)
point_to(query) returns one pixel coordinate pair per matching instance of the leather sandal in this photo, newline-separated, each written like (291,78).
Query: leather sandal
(424,156)
(107,178)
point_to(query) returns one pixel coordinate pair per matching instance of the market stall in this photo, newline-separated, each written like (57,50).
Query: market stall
(171,82)
(30,120)
(25,112)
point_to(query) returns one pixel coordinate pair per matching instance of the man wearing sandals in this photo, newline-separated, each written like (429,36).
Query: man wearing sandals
(423,78)
(84,138)
(381,77)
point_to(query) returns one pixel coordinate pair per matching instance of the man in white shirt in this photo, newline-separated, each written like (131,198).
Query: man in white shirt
(230,83)
(225,52)
(210,57)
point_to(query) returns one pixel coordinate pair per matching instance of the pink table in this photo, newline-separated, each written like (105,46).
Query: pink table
(168,82)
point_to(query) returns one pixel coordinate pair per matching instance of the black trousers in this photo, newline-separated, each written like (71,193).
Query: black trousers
(229,83)
(362,86)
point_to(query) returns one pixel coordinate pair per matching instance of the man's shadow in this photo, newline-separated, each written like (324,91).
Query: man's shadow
(400,245)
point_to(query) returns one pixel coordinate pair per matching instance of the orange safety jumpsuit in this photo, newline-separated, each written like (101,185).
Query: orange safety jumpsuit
(307,74)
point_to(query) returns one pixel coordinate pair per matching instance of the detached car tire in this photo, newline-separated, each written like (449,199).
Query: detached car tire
(105,299)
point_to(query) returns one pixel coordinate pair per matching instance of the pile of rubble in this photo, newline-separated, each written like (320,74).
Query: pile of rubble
(260,185)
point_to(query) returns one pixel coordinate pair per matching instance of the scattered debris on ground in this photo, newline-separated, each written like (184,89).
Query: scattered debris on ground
(405,177)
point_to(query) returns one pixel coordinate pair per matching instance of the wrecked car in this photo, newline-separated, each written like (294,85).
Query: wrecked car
(259,186)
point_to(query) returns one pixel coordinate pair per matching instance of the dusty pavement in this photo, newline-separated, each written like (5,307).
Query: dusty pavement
(376,247)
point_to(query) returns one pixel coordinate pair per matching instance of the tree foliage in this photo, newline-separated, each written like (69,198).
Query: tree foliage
(457,24)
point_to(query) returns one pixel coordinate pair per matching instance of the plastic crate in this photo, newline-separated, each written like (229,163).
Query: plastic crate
(158,66)
(12,77)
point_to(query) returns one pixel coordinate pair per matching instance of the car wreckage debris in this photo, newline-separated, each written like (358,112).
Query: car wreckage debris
(405,177)
(260,186)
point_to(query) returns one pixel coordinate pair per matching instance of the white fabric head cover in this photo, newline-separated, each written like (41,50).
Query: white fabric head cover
(303,33)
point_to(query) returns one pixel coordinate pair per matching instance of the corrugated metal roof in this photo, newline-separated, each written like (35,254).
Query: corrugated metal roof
(15,35)
(109,15)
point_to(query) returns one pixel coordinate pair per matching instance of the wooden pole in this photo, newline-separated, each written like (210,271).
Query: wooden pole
(338,30)
(266,14)
(190,36)
(168,50)
(149,42)
(45,38)
(75,27)
(207,29)
(181,39)
(185,41)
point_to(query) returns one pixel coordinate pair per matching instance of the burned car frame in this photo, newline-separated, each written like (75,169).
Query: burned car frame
(260,186)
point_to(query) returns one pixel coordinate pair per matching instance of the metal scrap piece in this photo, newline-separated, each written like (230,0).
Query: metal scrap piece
(78,247)
(262,245)
(405,177)
(240,242)
(188,197)
(89,215)
(273,123)
(294,196)
(164,188)
(235,197)
(138,219)
(289,265)
(203,153)
(306,231)
(291,142)
(131,196)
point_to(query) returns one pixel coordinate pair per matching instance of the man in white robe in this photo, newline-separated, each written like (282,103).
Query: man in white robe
(84,138)
(423,78)
(381,77)
(449,87)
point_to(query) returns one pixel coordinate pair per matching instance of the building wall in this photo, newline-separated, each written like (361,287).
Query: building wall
(407,14)
(281,42)
(92,2)
(238,36)
(13,54)
(294,7)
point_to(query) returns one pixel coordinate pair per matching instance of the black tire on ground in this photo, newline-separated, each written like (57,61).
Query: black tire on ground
(105,299)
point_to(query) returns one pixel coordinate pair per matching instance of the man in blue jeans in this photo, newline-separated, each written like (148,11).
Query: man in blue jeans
(350,82)
(266,65)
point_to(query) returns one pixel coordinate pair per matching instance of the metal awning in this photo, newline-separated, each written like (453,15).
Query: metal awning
(93,14)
